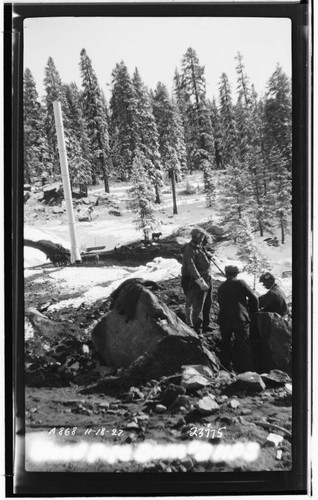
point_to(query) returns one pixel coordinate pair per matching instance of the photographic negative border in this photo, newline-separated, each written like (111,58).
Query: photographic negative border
(21,483)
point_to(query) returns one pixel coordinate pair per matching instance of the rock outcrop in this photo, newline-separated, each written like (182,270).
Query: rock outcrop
(135,323)
(142,335)
(275,342)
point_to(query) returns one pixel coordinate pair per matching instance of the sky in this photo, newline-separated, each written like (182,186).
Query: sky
(156,46)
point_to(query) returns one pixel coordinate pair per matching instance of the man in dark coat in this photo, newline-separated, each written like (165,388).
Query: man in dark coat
(196,281)
(236,301)
(275,299)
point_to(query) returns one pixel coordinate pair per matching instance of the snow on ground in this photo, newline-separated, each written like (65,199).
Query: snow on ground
(109,231)
(97,283)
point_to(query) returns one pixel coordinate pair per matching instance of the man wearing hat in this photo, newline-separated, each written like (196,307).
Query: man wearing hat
(236,300)
(196,281)
(275,299)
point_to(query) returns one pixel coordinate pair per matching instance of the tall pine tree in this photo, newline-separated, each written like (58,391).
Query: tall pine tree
(171,139)
(141,197)
(79,154)
(147,133)
(123,137)
(96,120)
(35,145)
(197,120)
(278,115)
(54,91)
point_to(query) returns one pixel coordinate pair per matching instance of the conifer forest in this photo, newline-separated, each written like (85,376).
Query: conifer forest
(156,136)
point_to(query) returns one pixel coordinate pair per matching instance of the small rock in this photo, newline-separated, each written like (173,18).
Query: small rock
(170,394)
(85,349)
(160,408)
(182,468)
(224,376)
(222,399)
(143,417)
(196,377)
(187,463)
(250,382)
(130,438)
(137,394)
(234,403)
(275,378)
(132,425)
(207,405)
(104,405)
(182,401)
(180,422)
(279,454)
(245,411)
(274,440)
(289,388)
(33,410)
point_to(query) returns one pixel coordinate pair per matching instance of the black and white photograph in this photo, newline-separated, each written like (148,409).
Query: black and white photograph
(158,233)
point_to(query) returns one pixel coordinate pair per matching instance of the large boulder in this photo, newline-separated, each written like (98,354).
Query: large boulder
(138,327)
(167,358)
(275,342)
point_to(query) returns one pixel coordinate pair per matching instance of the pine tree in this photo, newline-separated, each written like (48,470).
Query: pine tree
(79,155)
(35,145)
(147,134)
(217,133)
(181,104)
(171,141)
(278,115)
(141,197)
(198,121)
(122,118)
(250,145)
(96,119)
(54,91)
(227,122)
(255,262)
(279,193)
(234,195)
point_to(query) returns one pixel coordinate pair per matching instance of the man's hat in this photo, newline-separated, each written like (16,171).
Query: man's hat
(266,277)
(196,231)
(231,270)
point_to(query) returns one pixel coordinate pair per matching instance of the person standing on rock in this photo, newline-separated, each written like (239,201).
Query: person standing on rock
(275,299)
(237,301)
(196,282)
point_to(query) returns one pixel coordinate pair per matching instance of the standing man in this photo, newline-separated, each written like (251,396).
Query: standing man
(236,301)
(196,282)
(275,299)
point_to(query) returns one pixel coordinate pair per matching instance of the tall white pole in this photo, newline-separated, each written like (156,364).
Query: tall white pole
(75,255)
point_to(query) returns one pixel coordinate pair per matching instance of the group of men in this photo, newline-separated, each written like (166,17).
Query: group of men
(236,301)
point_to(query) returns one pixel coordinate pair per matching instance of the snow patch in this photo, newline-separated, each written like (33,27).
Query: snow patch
(157,270)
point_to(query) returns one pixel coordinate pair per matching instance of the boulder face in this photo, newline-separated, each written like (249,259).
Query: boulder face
(275,338)
(137,320)
(167,358)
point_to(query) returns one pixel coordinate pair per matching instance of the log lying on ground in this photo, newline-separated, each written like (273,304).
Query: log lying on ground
(56,253)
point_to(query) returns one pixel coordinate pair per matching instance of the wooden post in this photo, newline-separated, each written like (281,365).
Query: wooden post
(75,254)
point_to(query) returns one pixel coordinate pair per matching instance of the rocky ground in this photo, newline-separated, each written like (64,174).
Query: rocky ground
(61,404)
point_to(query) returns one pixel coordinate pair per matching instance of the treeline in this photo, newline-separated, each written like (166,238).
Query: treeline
(245,143)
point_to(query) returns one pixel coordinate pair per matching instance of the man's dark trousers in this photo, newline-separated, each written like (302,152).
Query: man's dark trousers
(202,301)
(242,354)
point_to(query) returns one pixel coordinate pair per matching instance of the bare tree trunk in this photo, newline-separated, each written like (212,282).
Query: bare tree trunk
(174,196)
(282,228)
(106,183)
(158,200)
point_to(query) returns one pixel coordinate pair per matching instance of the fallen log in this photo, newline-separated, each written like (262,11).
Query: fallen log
(55,252)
